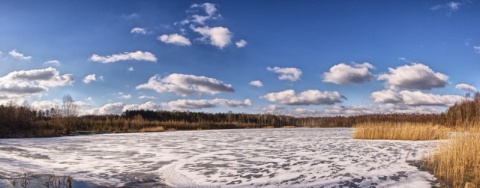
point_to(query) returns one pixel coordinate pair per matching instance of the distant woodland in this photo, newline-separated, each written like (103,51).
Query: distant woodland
(22,121)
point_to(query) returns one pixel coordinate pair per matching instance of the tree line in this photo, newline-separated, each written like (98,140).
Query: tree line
(22,121)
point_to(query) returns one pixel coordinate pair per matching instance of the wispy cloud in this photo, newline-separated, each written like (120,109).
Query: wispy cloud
(451,7)
(52,63)
(138,56)
(184,84)
(241,43)
(139,30)
(476,49)
(89,78)
(175,39)
(286,73)
(19,55)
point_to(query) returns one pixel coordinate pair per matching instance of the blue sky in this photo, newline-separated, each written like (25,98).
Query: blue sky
(314,58)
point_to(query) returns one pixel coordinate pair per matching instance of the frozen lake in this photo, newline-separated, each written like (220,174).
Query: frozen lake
(299,157)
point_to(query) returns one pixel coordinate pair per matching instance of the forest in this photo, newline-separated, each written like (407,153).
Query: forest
(23,121)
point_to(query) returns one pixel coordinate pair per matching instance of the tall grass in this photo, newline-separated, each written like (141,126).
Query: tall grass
(399,131)
(457,163)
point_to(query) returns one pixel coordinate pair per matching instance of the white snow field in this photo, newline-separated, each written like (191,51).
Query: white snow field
(299,157)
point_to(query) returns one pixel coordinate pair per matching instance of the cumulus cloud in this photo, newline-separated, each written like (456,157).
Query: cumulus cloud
(44,105)
(386,96)
(130,69)
(138,56)
(52,62)
(184,84)
(124,96)
(241,43)
(476,49)
(466,88)
(19,55)
(415,98)
(183,104)
(286,73)
(119,107)
(309,97)
(24,83)
(414,76)
(273,109)
(346,74)
(89,78)
(256,83)
(175,39)
(139,30)
(216,36)
(145,106)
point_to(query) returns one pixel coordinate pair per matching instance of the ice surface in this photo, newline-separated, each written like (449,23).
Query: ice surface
(299,157)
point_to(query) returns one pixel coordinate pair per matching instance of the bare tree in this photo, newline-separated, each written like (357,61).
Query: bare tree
(69,108)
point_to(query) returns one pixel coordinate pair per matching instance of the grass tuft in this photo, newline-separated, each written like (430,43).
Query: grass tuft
(399,131)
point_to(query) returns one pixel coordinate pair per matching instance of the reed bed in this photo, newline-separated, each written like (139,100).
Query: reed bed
(457,163)
(399,131)
(152,129)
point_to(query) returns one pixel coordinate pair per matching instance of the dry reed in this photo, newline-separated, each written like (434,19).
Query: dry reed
(457,163)
(399,131)
(152,129)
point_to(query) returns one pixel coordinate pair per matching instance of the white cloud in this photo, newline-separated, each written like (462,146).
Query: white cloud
(22,84)
(130,69)
(183,104)
(110,108)
(256,83)
(119,107)
(273,109)
(476,49)
(386,96)
(415,76)
(346,74)
(466,88)
(454,6)
(147,97)
(183,84)
(209,8)
(138,55)
(19,55)
(130,16)
(216,36)
(52,62)
(175,39)
(286,73)
(309,97)
(415,98)
(44,105)
(145,106)
(355,110)
(241,43)
(139,30)
(450,7)
(89,78)
(126,96)
(89,99)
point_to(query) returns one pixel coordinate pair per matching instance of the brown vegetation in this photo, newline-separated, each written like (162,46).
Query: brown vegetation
(400,131)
